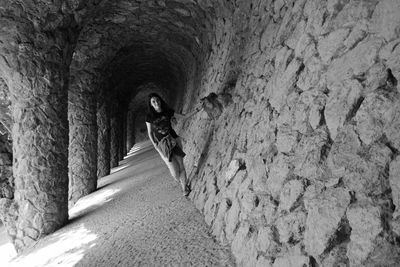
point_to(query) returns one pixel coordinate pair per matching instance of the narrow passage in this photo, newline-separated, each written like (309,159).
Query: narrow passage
(138,217)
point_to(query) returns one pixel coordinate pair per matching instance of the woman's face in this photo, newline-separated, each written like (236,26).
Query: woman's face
(155,103)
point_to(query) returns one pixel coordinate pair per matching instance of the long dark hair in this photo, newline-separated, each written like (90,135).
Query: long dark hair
(152,111)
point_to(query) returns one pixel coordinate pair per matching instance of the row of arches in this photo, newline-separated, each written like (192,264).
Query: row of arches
(77,74)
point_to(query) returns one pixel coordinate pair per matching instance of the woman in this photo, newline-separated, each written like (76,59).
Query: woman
(164,138)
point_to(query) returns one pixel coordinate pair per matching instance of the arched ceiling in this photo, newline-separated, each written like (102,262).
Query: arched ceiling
(137,42)
(129,43)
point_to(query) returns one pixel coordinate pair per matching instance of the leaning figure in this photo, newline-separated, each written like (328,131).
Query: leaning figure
(164,138)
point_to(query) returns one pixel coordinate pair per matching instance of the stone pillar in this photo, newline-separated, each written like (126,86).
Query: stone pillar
(37,71)
(114,130)
(6,177)
(124,134)
(82,160)
(7,188)
(130,129)
(120,135)
(103,139)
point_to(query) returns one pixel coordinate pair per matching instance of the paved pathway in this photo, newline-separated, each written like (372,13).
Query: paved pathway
(138,217)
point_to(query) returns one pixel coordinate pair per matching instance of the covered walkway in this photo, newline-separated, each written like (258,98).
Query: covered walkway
(137,217)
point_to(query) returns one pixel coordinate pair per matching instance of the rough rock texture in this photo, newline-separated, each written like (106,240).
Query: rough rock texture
(325,212)
(5,112)
(306,156)
(130,130)
(7,187)
(301,159)
(82,158)
(103,134)
(36,47)
(6,177)
(394,178)
(365,223)
(40,142)
(114,145)
(122,119)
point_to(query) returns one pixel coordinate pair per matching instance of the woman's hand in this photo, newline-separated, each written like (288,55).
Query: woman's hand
(197,108)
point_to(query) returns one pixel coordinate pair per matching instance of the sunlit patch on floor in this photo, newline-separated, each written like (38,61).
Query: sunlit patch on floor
(139,147)
(119,168)
(91,202)
(64,249)
(7,252)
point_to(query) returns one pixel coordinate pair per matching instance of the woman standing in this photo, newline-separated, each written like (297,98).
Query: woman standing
(164,138)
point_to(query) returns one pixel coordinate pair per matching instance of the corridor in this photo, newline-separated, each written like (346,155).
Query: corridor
(137,217)
(288,112)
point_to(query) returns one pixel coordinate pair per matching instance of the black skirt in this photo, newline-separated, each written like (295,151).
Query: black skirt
(177,150)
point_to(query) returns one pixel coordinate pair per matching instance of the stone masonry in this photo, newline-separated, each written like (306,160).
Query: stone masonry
(294,160)
(302,168)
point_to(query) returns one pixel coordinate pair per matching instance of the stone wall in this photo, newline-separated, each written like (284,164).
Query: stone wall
(295,161)
(103,134)
(302,167)
(7,187)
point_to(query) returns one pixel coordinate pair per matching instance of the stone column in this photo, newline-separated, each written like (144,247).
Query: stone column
(6,177)
(103,139)
(120,135)
(82,160)
(7,188)
(130,129)
(114,130)
(37,74)
(124,134)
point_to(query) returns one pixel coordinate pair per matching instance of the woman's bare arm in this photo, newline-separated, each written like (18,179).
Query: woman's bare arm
(197,108)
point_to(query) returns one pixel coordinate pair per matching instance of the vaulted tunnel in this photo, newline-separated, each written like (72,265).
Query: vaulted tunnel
(125,51)
(296,157)
(105,56)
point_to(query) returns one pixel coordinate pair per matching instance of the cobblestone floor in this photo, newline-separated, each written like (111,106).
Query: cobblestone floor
(138,217)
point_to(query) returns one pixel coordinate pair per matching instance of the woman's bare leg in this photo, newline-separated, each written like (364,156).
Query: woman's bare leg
(182,176)
(173,168)
(177,170)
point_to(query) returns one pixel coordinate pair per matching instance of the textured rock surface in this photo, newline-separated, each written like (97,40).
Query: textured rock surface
(7,187)
(365,225)
(305,148)
(82,157)
(394,178)
(103,134)
(6,176)
(314,125)
(325,212)
(40,142)
(114,134)
(130,130)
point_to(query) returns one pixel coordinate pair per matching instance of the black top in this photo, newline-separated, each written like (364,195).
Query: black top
(161,123)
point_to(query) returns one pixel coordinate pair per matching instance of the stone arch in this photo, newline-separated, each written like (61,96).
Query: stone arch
(46,43)
(131,52)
